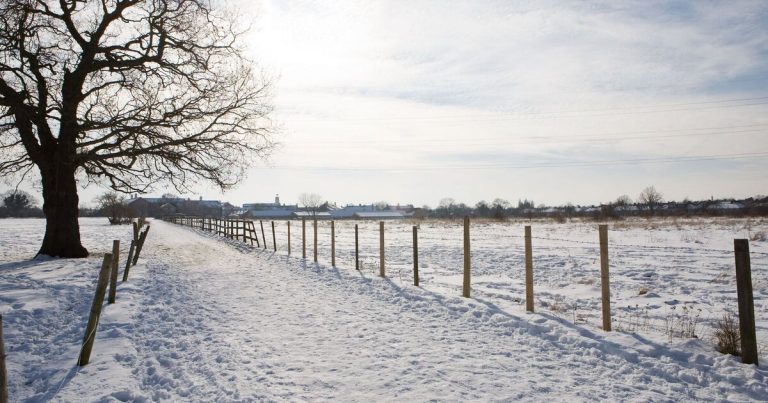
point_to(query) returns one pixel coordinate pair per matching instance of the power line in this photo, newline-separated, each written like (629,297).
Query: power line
(640,109)
(636,161)
(572,138)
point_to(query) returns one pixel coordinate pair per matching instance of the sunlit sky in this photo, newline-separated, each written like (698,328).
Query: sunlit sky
(414,101)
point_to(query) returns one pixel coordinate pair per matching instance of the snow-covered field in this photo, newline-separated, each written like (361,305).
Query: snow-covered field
(206,319)
(666,274)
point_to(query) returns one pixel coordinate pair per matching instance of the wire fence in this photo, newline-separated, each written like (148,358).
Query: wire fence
(677,290)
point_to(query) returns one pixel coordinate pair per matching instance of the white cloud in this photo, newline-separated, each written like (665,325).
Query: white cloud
(397,84)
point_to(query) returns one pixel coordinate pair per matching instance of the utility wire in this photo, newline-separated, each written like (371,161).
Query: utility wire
(673,107)
(717,157)
(572,138)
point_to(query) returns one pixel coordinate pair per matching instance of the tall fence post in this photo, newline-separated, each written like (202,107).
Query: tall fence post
(314,225)
(381,249)
(140,245)
(415,256)
(274,239)
(93,319)
(263,237)
(604,278)
(113,272)
(289,237)
(528,270)
(3,372)
(333,243)
(467,259)
(128,261)
(303,238)
(357,250)
(746,303)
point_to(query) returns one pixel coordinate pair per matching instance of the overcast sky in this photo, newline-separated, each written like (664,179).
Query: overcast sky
(414,101)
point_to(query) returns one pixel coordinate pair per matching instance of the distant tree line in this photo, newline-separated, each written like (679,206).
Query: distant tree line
(650,202)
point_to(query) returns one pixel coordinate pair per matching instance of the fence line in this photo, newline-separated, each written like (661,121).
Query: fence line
(598,249)
(108,278)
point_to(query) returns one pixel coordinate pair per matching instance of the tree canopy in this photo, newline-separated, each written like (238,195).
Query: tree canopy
(129,93)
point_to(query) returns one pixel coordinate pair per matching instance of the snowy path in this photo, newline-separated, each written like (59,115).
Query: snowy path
(226,322)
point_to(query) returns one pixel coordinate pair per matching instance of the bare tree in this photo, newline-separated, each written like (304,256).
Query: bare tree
(500,207)
(127,93)
(623,200)
(650,197)
(115,207)
(482,209)
(446,207)
(311,201)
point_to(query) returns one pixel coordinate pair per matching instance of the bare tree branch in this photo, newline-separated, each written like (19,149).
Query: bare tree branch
(138,91)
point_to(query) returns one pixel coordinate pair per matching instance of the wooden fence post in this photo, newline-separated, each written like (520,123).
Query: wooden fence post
(333,243)
(93,320)
(415,256)
(263,238)
(274,239)
(357,251)
(129,260)
(303,238)
(3,372)
(289,237)
(467,259)
(135,230)
(381,249)
(254,235)
(140,244)
(528,270)
(113,272)
(314,225)
(604,279)
(746,303)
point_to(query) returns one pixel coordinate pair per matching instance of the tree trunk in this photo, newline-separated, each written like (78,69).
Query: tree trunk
(60,205)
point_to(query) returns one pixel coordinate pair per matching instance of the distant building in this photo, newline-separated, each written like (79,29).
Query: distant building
(328,210)
(269,210)
(309,215)
(350,211)
(162,206)
(371,211)
(381,215)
